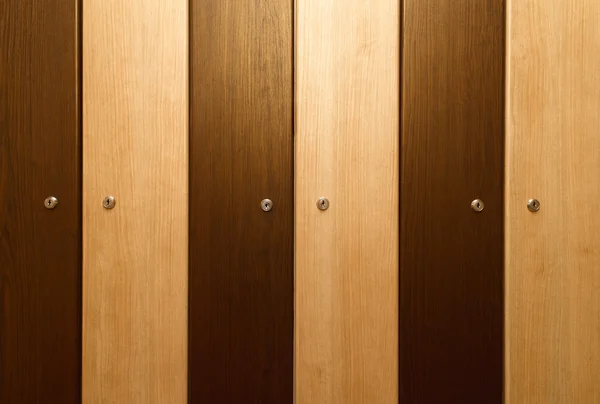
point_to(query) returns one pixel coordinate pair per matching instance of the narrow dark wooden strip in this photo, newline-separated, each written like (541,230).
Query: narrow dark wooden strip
(40,271)
(451,275)
(241,152)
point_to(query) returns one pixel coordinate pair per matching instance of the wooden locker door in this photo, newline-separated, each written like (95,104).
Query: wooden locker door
(40,270)
(347,150)
(553,255)
(135,148)
(451,257)
(241,152)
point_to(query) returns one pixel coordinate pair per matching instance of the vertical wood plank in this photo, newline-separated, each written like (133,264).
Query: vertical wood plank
(135,147)
(553,256)
(40,270)
(347,149)
(241,152)
(451,258)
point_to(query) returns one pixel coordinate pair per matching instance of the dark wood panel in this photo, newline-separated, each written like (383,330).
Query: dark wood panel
(241,151)
(451,274)
(39,156)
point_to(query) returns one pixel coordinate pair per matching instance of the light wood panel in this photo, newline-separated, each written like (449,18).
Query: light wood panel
(451,258)
(241,152)
(40,259)
(135,113)
(347,122)
(553,149)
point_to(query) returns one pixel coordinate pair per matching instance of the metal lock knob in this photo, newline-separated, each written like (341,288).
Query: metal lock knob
(50,202)
(533,205)
(109,202)
(477,205)
(323,203)
(266,205)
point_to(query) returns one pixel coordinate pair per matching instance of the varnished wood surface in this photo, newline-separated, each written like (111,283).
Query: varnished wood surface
(241,152)
(451,258)
(40,270)
(135,125)
(347,149)
(553,149)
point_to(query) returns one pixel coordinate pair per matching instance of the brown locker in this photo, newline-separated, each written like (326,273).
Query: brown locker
(40,270)
(241,245)
(452,154)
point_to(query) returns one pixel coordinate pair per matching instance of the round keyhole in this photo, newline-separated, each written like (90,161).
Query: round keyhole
(50,202)
(323,203)
(533,205)
(109,202)
(266,205)
(477,205)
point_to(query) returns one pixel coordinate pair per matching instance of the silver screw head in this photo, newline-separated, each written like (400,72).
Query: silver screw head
(109,202)
(323,203)
(477,205)
(533,205)
(50,202)
(266,205)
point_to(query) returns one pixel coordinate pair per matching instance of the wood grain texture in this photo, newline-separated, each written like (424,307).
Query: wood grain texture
(553,256)
(241,152)
(40,270)
(451,258)
(347,149)
(135,122)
